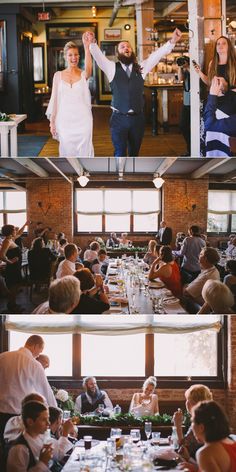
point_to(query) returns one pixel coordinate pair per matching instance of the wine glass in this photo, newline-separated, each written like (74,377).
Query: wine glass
(135,435)
(148,429)
(100,409)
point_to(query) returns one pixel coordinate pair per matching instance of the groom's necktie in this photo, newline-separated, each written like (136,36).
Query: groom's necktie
(128,71)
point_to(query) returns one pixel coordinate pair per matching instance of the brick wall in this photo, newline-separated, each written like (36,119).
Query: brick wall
(56,211)
(178,197)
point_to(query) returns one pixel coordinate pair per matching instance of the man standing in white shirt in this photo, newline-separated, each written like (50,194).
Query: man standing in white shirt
(126,78)
(20,375)
(67,266)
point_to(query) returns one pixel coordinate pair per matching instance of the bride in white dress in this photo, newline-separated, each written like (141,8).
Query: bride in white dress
(69,109)
(145,403)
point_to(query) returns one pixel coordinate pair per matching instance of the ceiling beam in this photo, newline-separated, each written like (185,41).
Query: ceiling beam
(32,166)
(58,170)
(172,8)
(165,164)
(208,167)
(12,185)
(76,165)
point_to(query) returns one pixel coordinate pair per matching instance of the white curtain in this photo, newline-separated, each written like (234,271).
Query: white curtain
(222,202)
(112,325)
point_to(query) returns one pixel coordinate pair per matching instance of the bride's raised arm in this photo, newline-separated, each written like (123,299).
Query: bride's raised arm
(88,58)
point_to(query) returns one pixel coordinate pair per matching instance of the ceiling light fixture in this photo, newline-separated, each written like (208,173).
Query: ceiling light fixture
(158,181)
(83,179)
(127,27)
(94,11)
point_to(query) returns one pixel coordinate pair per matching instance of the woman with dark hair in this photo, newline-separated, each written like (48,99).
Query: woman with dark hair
(211,427)
(40,260)
(221,102)
(166,269)
(93,299)
(10,253)
(223,63)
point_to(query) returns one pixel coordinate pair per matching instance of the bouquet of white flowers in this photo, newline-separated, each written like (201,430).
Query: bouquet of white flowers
(64,400)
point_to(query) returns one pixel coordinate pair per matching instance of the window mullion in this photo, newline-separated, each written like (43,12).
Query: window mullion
(149,355)
(76,356)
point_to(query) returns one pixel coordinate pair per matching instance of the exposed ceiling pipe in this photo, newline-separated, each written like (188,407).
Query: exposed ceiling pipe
(117,5)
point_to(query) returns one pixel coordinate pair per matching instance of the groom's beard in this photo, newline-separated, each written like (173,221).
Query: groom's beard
(93,394)
(127,60)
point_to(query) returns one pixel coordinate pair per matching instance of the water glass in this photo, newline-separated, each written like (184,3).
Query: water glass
(66,415)
(148,429)
(156,438)
(111,447)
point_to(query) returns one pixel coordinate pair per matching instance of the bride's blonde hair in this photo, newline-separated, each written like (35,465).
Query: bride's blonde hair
(70,45)
(150,381)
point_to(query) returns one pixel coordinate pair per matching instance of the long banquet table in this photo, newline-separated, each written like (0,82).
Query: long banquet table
(127,281)
(99,450)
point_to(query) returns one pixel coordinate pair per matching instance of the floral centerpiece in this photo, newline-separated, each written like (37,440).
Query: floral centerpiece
(127,419)
(64,400)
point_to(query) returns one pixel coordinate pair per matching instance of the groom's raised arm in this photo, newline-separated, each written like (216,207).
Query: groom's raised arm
(107,66)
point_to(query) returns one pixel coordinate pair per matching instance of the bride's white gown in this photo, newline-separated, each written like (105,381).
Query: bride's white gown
(71,106)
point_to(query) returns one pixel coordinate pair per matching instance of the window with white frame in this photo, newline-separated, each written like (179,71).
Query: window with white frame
(98,350)
(221,211)
(117,210)
(12,207)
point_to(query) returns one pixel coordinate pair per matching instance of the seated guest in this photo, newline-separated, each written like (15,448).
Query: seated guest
(190,250)
(124,241)
(188,444)
(91,253)
(67,266)
(60,429)
(151,253)
(92,396)
(64,296)
(15,426)
(40,260)
(145,403)
(231,237)
(231,249)
(61,248)
(217,297)
(100,264)
(211,427)
(112,241)
(28,451)
(166,269)
(93,299)
(208,259)
(43,360)
(179,240)
(230,278)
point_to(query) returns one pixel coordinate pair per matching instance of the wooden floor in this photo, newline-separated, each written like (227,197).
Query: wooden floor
(164,144)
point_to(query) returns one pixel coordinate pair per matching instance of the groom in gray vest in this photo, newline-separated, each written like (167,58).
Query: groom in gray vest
(126,78)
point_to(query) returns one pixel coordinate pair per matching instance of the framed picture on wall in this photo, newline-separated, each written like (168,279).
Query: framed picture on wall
(3,55)
(109,50)
(112,34)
